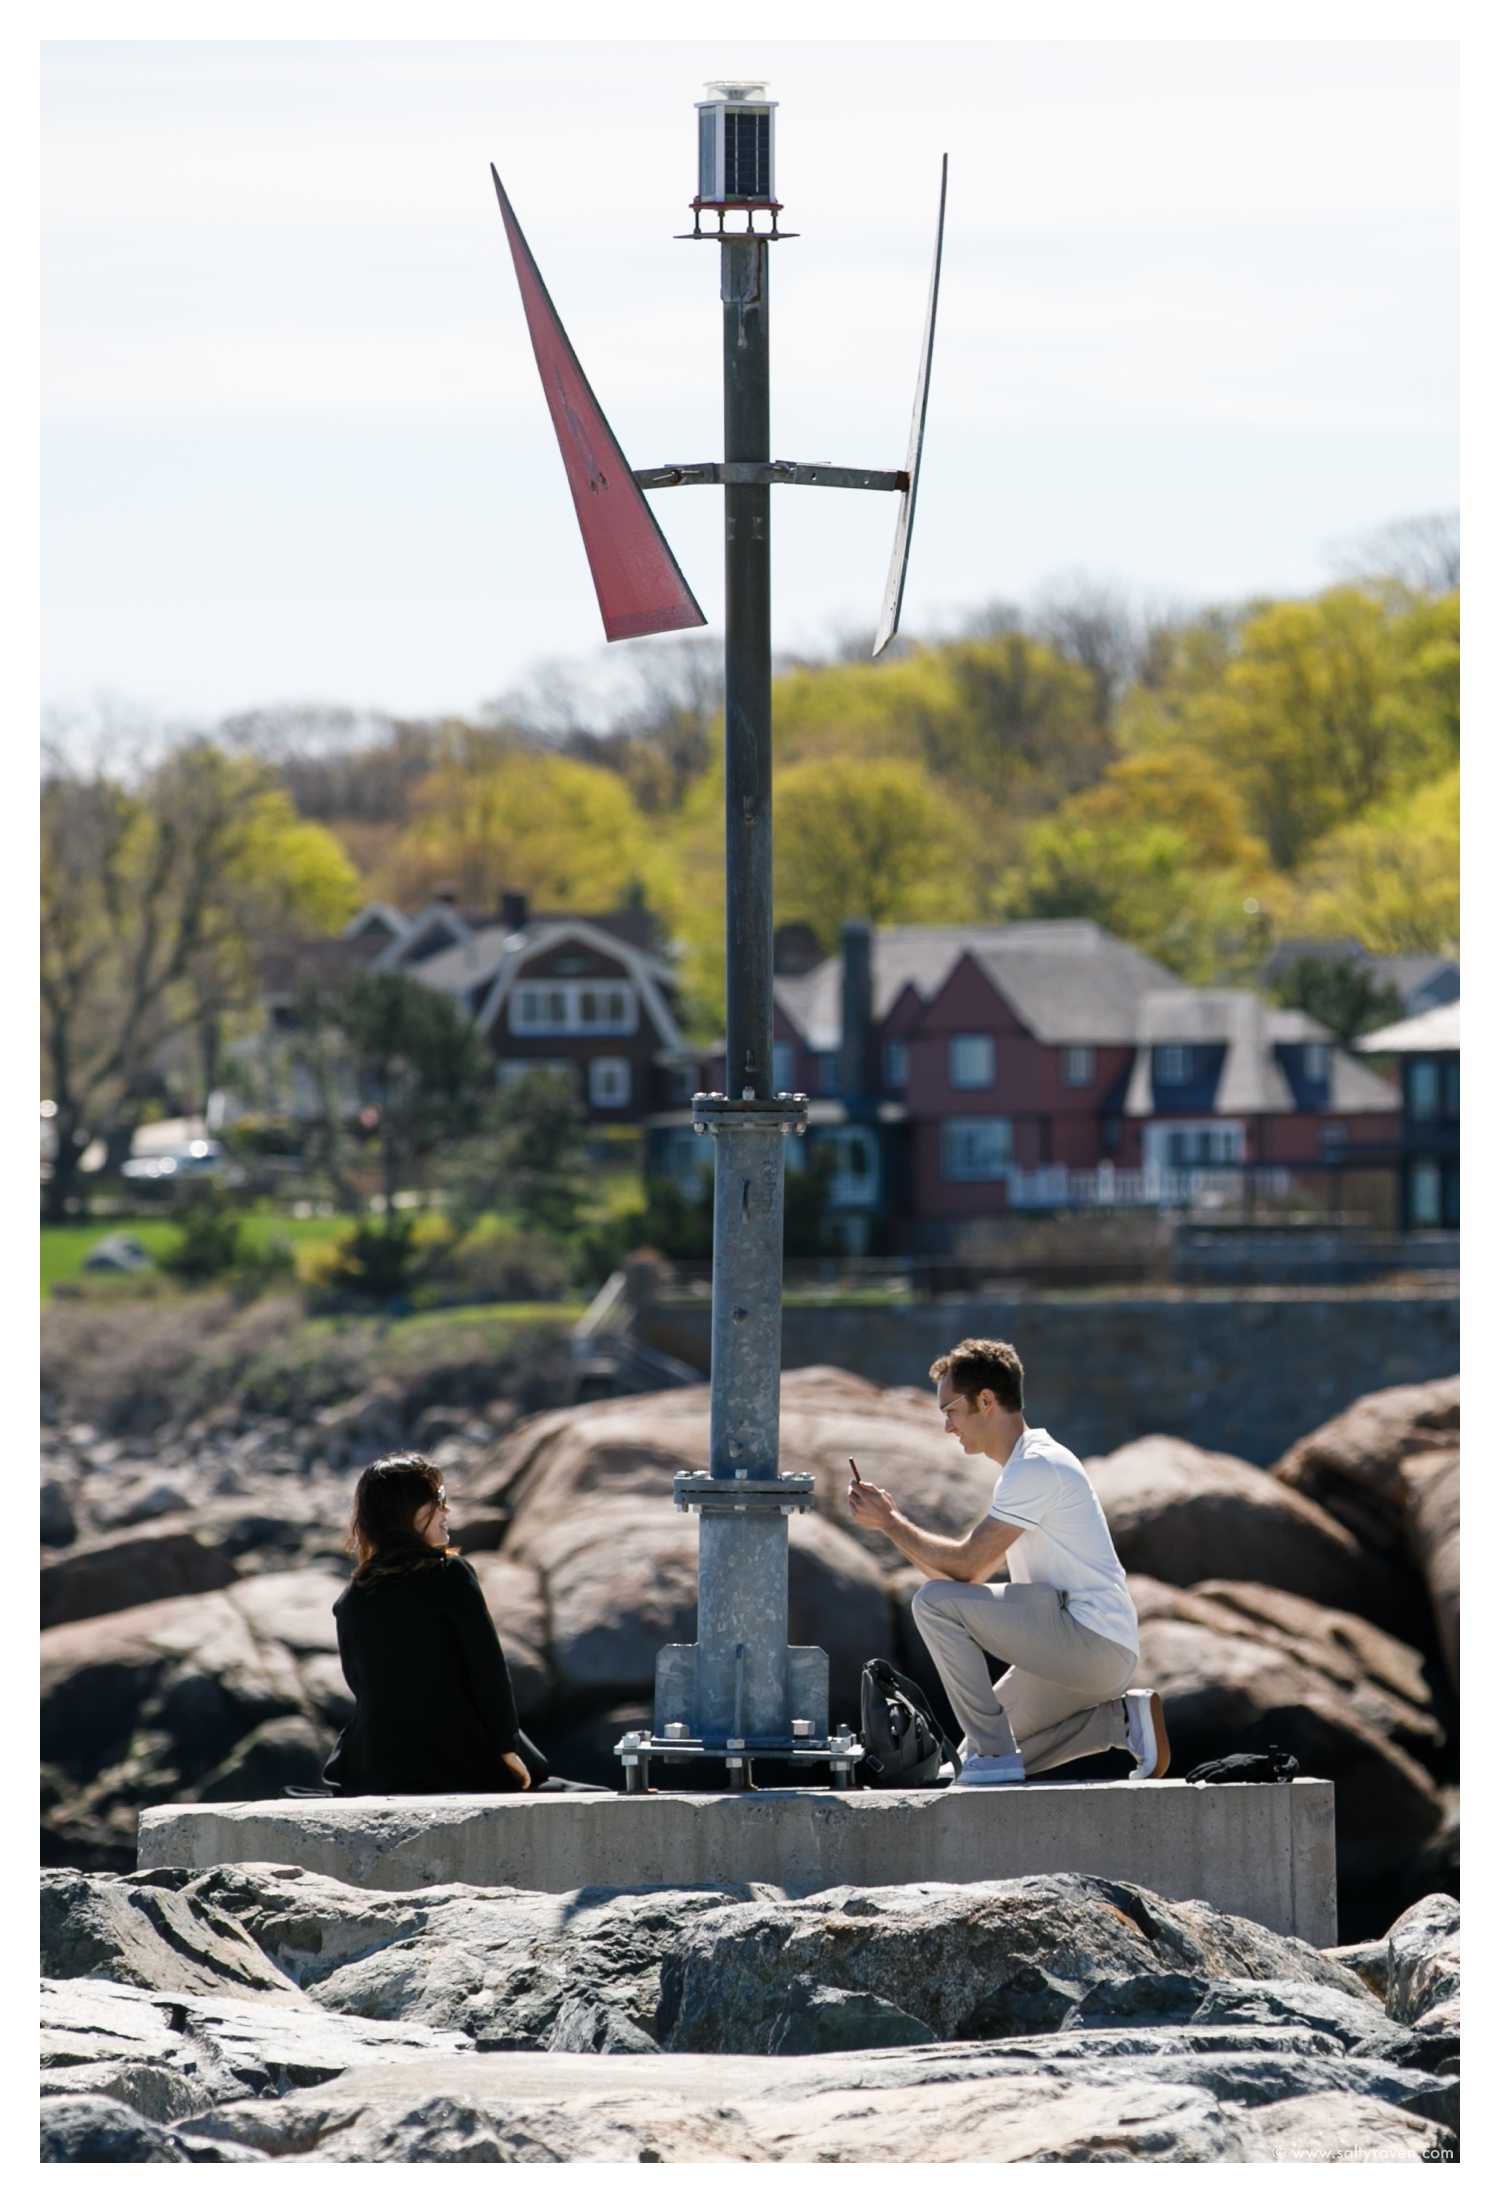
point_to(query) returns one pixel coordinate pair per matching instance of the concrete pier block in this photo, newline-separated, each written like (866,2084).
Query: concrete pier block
(1263,1850)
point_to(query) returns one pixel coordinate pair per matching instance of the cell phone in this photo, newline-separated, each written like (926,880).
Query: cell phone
(856,1475)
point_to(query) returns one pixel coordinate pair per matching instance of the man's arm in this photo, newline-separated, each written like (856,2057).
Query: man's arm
(969,1559)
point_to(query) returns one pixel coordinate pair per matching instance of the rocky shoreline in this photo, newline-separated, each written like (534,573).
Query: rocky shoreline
(261,2013)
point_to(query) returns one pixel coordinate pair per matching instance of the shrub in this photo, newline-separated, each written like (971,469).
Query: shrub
(207,1240)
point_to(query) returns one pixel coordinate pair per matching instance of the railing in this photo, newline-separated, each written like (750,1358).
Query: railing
(1054,1186)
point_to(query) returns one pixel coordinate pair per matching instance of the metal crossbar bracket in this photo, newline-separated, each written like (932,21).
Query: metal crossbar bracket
(759,474)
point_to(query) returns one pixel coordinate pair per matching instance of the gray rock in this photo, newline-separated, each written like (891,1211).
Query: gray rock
(1371,1961)
(587,2023)
(117,1251)
(130,1567)
(1424,1981)
(934,2104)
(988,1960)
(223,2046)
(817,2019)
(59,1524)
(101,2130)
(100,1928)
(1351,1466)
(1182,1514)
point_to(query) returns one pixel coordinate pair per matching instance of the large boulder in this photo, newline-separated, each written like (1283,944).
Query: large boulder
(130,1568)
(1230,1686)
(1351,1466)
(1429,1490)
(1422,1984)
(1181,1514)
(556,1465)
(972,1963)
(621,1581)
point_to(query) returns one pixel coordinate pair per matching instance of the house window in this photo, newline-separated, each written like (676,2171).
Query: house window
(1193,1146)
(1450,1086)
(1426,1183)
(895,1063)
(828,1071)
(1173,1066)
(1315,1063)
(783,1066)
(609,1082)
(1078,1066)
(971,1060)
(976,1147)
(572,1008)
(1422,1087)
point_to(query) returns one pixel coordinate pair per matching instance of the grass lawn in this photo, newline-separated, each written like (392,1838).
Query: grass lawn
(65,1245)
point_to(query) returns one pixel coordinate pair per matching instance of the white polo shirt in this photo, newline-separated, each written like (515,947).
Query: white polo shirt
(1067,1544)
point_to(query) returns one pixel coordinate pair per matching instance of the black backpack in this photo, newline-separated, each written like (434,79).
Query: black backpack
(905,1743)
(1271,1765)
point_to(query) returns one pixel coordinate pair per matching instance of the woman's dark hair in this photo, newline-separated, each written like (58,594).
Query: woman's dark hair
(382,1529)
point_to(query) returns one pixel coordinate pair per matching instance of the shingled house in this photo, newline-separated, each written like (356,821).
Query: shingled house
(959,1072)
(590,994)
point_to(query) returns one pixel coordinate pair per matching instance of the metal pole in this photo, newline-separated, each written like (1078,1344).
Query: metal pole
(743,276)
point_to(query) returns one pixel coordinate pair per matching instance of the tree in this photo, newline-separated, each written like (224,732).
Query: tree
(1339,992)
(1159,853)
(543,1158)
(157,896)
(397,1067)
(1391,878)
(495,816)
(875,841)
(1421,554)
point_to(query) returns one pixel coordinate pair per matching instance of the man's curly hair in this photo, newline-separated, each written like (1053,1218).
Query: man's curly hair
(975,1364)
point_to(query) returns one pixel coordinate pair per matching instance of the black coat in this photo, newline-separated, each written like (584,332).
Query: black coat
(433,1704)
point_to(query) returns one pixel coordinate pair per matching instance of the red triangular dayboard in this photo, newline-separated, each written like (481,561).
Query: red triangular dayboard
(638,582)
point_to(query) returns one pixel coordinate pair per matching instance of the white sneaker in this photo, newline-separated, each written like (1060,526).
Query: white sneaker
(1146,1734)
(979,1768)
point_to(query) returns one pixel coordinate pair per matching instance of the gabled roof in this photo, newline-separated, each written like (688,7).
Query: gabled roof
(1066,978)
(650,973)
(1251,1082)
(1432,1033)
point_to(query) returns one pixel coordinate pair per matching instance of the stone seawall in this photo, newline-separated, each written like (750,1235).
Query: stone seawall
(1245,1373)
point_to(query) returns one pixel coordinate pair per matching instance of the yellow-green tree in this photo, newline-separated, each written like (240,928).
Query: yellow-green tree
(567,834)
(878,840)
(1391,877)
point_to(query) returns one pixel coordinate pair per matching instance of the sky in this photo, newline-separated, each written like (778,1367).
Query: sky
(1198,330)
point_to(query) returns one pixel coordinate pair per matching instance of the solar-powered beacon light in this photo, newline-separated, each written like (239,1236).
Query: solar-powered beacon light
(740,1692)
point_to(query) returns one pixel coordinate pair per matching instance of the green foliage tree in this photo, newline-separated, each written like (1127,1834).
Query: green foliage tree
(543,1160)
(158,893)
(1339,992)
(873,840)
(1389,878)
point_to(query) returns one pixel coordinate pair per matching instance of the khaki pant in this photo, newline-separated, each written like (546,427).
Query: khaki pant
(1061,1697)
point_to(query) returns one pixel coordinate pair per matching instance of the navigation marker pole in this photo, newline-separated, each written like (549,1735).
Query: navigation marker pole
(740,1692)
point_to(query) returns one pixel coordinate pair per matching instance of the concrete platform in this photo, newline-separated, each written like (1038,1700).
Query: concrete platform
(1264,1850)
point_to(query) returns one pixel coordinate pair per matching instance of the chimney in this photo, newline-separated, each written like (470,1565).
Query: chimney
(795,949)
(857,1080)
(514,908)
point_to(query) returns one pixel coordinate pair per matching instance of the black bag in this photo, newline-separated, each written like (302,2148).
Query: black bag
(905,1743)
(1271,1765)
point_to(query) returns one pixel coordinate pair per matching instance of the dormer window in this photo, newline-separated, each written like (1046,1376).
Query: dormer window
(1173,1066)
(1315,1063)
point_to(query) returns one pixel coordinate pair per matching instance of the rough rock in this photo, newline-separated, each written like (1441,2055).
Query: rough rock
(144,1936)
(1430,1490)
(1423,1946)
(1351,1466)
(1230,1686)
(986,1961)
(934,2104)
(129,1568)
(222,2047)
(59,1524)
(95,2129)
(816,2019)
(1181,1514)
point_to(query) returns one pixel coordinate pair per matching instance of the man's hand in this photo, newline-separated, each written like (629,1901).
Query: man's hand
(873,1507)
(518,1768)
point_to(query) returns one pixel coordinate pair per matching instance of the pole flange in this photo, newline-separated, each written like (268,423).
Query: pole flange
(751,1113)
(698,1493)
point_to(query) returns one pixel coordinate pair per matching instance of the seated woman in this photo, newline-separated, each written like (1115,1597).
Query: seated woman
(433,1705)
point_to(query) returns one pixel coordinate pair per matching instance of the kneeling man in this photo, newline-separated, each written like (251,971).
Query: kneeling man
(1065,1621)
